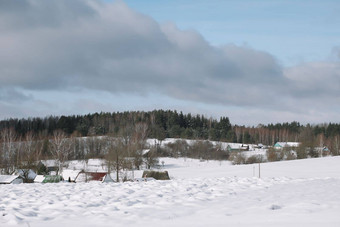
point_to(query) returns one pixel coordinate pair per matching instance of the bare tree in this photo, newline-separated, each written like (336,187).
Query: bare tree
(333,144)
(94,147)
(60,148)
(29,154)
(116,155)
(151,158)
(336,145)
(8,150)
(138,143)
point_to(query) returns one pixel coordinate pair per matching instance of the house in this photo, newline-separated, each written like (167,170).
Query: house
(237,147)
(259,146)
(10,179)
(281,145)
(52,167)
(28,175)
(93,176)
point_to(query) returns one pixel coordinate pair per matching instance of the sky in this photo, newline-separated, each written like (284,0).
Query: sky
(254,61)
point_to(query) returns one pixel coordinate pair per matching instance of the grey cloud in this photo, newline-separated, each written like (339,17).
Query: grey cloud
(32,14)
(315,80)
(10,95)
(13,6)
(67,44)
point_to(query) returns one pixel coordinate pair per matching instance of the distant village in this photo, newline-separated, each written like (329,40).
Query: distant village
(81,171)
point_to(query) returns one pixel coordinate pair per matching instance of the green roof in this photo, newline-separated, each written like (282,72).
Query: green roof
(52,179)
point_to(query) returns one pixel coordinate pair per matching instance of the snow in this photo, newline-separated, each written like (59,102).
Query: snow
(209,193)
(258,150)
(91,165)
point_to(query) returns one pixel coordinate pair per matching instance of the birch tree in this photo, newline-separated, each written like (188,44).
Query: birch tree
(60,148)
(8,151)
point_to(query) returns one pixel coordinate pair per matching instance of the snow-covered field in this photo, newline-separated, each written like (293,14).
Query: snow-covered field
(289,193)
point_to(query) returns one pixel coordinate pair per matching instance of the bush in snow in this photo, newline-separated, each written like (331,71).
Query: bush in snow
(274,155)
(237,158)
(254,159)
(158,175)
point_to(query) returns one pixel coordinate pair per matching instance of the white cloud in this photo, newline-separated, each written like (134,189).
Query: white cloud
(70,45)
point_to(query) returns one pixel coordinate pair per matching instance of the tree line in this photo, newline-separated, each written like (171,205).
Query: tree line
(161,124)
(171,124)
(120,138)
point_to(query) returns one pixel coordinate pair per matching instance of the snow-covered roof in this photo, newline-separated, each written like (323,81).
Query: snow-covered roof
(93,176)
(145,151)
(31,173)
(7,179)
(70,174)
(287,144)
(237,146)
(49,163)
(39,179)
(234,145)
(107,179)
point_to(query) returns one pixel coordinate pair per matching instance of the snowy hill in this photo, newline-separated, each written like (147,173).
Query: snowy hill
(210,193)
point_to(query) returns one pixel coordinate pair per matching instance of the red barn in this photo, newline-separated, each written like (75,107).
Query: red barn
(93,176)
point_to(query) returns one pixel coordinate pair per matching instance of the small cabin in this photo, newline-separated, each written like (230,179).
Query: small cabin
(49,167)
(237,147)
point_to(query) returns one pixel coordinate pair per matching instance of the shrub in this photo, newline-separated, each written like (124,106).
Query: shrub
(42,169)
(254,159)
(158,175)
(301,152)
(274,155)
(237,158)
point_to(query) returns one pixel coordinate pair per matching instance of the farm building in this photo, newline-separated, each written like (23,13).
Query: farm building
(28,175)
(51,166)
(93,176)
(237,147)
(280,145)
(10,179)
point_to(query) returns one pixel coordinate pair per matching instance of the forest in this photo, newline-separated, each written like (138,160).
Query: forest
(171,124)
(121,136)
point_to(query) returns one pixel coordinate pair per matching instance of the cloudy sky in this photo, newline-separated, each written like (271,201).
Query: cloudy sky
(255,61)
